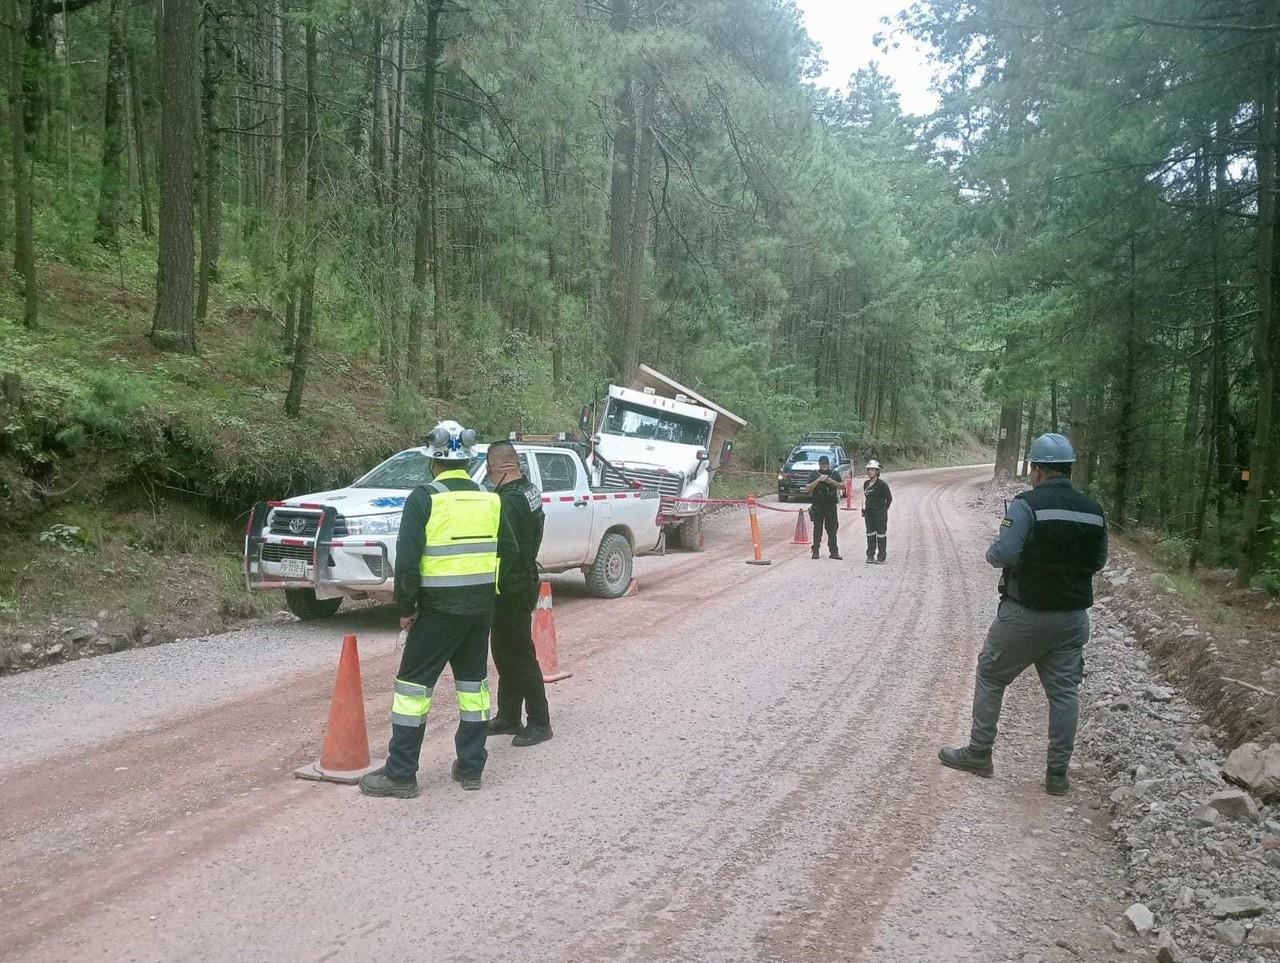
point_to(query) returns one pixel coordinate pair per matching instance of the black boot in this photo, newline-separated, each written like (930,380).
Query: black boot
(499,726)
(968,759)
(532,735)
(378,783)
(470,781)
(1056,782)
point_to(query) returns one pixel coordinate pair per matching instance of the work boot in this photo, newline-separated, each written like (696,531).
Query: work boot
(870,561)
(470,781)
(815,553)
(499,726)
(838,557)
(1056,782)
(378,783)
(968,759)
(532,735)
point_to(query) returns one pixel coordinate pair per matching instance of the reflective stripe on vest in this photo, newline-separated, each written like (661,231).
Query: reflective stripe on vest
(473,701)
(461,547)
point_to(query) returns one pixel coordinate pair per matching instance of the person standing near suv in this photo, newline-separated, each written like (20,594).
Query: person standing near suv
(824,490)
(876,499)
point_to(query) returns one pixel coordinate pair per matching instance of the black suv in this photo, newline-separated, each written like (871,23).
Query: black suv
(803,461)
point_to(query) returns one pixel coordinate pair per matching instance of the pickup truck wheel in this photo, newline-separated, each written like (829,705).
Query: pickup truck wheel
(691,537)
(304,604)
(610,573)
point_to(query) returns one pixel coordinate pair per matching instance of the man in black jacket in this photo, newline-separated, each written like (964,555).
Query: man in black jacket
(876,499)
(824,493)
(520,684)
(1052,541)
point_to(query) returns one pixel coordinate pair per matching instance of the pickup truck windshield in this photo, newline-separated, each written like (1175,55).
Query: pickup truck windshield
(634,421)
(810,455)
(409,469)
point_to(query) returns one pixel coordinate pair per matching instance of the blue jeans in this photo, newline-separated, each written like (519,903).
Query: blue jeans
(1051,641)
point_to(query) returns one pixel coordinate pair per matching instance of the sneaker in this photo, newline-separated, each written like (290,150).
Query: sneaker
(838,558)
(532,735)
(968,759)
(871,561)
(378,783)
(503,727)
(469,781)
(880,561)
(1056,782)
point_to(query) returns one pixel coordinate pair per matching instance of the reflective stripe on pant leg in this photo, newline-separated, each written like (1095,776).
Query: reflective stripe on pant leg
(473,701)
(410,704)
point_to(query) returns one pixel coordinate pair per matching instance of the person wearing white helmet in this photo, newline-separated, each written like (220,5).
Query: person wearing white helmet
(876,499)
(452,537)
(1052,541)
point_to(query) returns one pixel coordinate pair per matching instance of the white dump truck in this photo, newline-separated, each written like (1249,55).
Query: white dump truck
(327,546)
(667,438)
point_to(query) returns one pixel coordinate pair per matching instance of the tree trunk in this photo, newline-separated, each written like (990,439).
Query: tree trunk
(24,256)
(114,132)
(1026,443)
(1007,440)
(138,124)
(423,244)
(173,327)
(1257,498)
(1128,389)
(1079,437)
(211,167)
(310,239)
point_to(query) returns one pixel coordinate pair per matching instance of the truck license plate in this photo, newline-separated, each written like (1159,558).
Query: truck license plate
(293,568)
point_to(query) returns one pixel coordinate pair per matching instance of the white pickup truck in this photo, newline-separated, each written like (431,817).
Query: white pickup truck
(328,546)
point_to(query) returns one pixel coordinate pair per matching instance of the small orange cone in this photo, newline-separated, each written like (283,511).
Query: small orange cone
(544,637)
(801,536)
(345,755)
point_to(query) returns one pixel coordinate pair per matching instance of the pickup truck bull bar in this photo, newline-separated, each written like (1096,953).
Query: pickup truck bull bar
(255,578)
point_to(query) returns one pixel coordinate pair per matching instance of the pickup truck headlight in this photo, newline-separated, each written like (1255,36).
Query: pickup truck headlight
(373,524)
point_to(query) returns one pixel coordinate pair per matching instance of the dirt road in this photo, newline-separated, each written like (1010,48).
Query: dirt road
(743,769)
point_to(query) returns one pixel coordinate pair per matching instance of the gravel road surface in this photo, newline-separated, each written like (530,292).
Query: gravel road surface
(743,768)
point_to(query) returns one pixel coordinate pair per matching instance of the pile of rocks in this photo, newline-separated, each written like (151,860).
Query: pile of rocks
(1203,854)
(76,639)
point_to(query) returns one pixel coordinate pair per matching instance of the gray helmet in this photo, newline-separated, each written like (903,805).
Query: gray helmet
(1052,449)
(873,465)
(449,441)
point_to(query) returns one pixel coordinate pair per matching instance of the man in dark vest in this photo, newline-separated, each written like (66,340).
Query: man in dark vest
(520,686)
(1052,541)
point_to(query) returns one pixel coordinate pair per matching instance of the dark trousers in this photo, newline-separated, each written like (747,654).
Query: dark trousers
(828,516)
(520,684)
(461,641)
(877,532)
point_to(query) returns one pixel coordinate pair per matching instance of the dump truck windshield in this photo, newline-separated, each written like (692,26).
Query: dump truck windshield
(634,421)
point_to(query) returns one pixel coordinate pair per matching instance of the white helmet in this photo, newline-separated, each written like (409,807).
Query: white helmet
(449,441)
(873,464)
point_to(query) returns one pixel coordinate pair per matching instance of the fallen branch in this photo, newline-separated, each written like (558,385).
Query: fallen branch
(1250,686)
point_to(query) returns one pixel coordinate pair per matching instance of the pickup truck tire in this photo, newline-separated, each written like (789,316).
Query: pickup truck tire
(690,534)
(610,574)
(304,604)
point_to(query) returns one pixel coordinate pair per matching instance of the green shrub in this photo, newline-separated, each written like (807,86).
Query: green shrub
(1173,551)
(106,409)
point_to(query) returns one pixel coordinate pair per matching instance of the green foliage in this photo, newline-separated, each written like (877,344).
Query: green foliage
(1173,551)
(106,409)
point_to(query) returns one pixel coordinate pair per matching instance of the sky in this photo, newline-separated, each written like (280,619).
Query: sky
(844,29)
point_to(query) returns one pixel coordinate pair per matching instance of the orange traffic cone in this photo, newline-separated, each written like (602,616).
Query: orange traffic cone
(544,637)
(345,755)
(801,536)
(848,494)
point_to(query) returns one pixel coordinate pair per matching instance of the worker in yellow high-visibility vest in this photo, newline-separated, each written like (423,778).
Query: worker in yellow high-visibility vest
(452,535)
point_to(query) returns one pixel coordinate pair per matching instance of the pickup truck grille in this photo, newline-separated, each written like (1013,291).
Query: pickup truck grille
(668,483)
(274,552)
(281,519)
